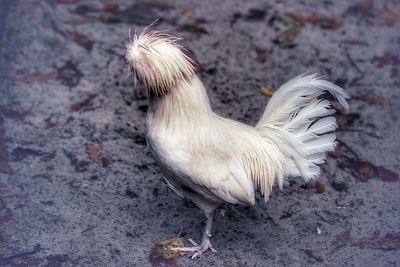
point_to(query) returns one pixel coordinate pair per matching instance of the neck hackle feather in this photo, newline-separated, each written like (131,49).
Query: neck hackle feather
(158,62)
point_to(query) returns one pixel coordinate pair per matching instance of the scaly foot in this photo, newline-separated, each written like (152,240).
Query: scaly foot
(197,249)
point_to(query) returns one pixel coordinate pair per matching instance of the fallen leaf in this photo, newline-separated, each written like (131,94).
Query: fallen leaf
(13,113)
(187,13)
(35,77)
(365,171)
(366,8)
(311,253)
(389,14)
(387,59)
(388,242)
(262,54)
(81,40)
(354,41)
(194,27)
(93,152)
(77,106)
(287,37)
(336,154)
(48,123)
(5,166)
(324,22)
(372,100)
(387,175)
(69,74)
(266,91)
(348,118)
(27,12)
(341,239)
(5,218)
(319,187)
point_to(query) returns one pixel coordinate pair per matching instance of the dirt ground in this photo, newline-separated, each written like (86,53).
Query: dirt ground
(78,186)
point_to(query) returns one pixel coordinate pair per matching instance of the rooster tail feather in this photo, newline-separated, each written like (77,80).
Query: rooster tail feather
(299,124)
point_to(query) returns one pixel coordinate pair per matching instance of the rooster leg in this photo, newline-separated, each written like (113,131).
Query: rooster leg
(205,243)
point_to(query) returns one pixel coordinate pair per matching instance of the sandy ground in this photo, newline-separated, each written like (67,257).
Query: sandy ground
(78,186)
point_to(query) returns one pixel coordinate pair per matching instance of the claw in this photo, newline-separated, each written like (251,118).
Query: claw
(197,249)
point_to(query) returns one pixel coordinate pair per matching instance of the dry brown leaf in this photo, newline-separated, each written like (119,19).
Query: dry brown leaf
(196,26)
(262,54)
(365,171)
(387,59)
(288,36)
(188,13)
(324,22)
(267,91)
(81,40)
(388,242)
(5,166)
(372,100)
(16,114)
(336,154)
(5,218)
(354,41)
(35,77)
(341,239)
(319,187)
(77,106)
(93,152)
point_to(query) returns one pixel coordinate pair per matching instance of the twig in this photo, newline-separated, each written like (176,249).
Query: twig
(354,65)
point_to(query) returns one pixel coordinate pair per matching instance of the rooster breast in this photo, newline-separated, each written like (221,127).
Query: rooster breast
(204,161)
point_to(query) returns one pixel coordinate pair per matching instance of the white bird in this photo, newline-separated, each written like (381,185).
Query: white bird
(211,159)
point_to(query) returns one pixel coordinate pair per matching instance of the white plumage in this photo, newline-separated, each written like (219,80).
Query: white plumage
(211,159)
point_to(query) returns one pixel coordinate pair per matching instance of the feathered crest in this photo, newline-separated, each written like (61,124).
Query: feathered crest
(158,61)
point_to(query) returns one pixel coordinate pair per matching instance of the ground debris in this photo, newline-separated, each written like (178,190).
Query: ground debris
(339,186)
(93,152)
(267,91)
(372,100)
(188,13)
(388,242)
(336,154)
(82,105)
(367,8)
(162,253)
(82,40)
(365,171)
(262,54)
(319,187)
(341,239)
(330,23)
(20,153)
(196,26)
(69,74)
(17,114)
(287,37)
(35,77)
(312,254)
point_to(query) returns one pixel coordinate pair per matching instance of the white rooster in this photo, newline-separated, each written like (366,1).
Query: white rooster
(211,159)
